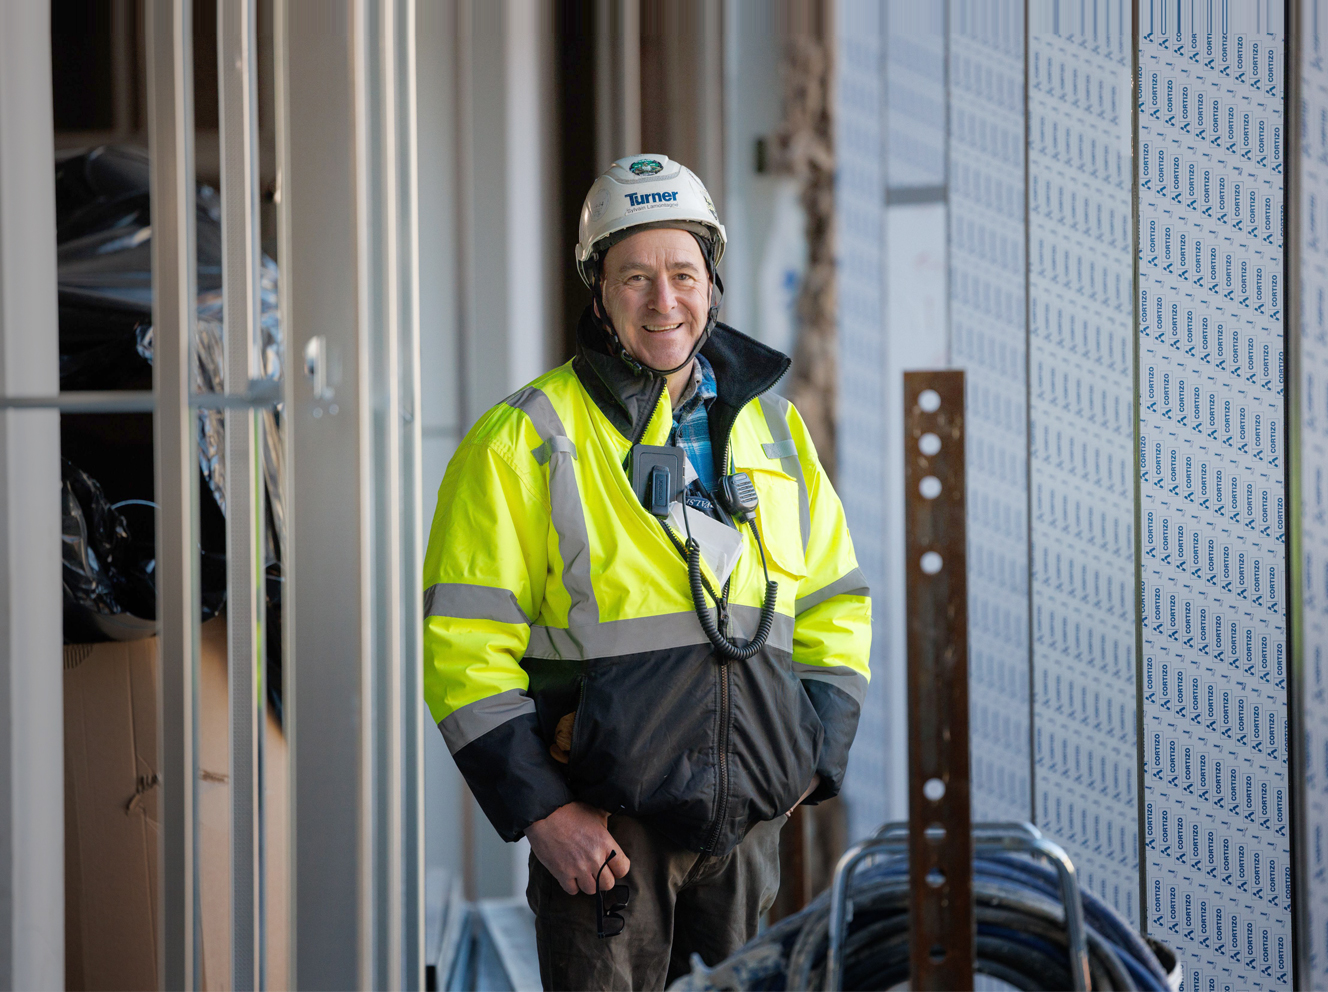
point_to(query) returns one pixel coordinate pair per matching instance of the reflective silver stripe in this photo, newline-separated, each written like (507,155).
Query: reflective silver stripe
(566,511)
(476,719)
(780,449)
(774,407)
(552,446)
(747,618)
(467,602)
(616,638)
(853,583)
(842,677)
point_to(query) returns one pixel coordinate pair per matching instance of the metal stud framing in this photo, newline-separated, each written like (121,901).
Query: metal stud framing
(345,134)
(236,72)
(170,139)
(32,919)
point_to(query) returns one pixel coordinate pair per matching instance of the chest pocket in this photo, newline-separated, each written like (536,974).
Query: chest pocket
(777,515)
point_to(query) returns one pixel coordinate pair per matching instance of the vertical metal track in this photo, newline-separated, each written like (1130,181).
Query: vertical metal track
(1295,565)
(348,295)
(379,248)
(369,272)
(324,606)
(464,20)
(411,538)
(940,843)
(32,813)
(237,47)
(1140,778)
(170,139)
(1029,508)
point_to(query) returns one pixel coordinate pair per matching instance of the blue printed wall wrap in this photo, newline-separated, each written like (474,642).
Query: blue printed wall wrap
(1211,469)
(988,337)
(1081,439)
(1312,654)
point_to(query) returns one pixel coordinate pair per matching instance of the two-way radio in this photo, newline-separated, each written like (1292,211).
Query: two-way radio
(658,476)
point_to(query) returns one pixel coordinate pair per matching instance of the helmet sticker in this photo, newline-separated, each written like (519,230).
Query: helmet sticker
(599,204)
(646,167)
(705,196)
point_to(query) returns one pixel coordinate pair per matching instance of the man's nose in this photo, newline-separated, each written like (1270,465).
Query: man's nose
(662,297)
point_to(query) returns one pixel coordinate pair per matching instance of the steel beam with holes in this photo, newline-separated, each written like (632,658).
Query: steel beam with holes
(940,841)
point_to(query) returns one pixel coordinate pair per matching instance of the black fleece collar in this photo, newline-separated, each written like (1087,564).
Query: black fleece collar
(744,369)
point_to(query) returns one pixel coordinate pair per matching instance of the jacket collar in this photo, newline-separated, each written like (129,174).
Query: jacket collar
(744,369)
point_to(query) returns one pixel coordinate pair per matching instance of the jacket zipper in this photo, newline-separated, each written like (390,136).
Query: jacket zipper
(725,698)
(725,731)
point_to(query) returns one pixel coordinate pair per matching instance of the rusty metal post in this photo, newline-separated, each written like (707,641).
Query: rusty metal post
(940,842)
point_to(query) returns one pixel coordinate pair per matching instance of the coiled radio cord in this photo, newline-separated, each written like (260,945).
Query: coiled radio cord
(725,649)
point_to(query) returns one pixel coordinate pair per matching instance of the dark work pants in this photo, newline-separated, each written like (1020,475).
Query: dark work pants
(677,907)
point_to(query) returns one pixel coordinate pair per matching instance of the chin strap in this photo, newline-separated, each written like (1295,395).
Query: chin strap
(601,315)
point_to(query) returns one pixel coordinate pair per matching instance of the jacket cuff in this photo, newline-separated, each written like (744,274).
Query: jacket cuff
(839,714)
(512,776)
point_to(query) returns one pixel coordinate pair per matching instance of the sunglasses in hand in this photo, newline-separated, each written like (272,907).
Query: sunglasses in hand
(608,921)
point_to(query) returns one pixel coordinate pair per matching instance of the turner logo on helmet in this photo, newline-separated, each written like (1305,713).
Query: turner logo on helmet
(640,199)
(646,167)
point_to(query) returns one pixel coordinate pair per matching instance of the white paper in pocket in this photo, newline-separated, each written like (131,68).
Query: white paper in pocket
(721,545)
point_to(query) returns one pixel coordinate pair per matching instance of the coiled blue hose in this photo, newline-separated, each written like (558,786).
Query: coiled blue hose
(1021,937)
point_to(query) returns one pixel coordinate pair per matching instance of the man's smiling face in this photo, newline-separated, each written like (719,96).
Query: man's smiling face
(657,292)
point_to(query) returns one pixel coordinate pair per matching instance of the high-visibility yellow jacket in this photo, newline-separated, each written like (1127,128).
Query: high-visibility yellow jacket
(550,590)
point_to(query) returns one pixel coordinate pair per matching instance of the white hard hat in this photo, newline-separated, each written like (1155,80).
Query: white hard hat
(641,191)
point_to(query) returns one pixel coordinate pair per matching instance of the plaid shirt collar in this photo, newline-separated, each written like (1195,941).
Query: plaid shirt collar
(699,392)
(692,422)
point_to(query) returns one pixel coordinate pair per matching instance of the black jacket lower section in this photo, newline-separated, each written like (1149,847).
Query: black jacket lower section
(512,776)
(659,737)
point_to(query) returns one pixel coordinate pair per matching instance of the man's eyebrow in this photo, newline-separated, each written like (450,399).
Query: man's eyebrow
(673,266)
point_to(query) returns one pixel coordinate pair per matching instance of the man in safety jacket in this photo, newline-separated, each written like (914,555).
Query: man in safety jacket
(641,669)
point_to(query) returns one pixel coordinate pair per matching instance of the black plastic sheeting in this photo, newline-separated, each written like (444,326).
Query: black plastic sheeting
(109,592)
(104,245)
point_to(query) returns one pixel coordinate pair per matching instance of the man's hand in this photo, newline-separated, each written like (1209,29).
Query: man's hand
(816,780)
(572,842)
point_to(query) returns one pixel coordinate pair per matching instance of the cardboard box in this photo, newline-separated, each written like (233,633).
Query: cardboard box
(111,817)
